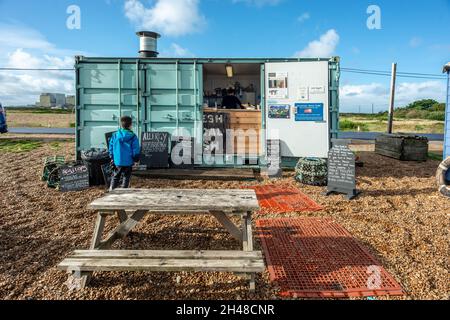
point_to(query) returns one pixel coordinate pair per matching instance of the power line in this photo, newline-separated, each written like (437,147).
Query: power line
(35,69)
(400,75)
(411,75)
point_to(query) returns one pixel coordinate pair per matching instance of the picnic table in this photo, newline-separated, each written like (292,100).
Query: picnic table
(131,205)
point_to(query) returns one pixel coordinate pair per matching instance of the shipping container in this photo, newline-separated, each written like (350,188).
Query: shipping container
(293,100)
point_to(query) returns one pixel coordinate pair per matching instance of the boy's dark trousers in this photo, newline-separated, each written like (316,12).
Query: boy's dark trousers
(125,174)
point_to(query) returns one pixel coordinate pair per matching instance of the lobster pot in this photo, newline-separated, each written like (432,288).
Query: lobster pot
(312,171)
(402,147)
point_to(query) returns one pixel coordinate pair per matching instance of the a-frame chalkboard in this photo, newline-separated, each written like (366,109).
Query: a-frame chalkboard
(341,170)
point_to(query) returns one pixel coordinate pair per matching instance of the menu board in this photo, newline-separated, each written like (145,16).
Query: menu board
(182,155)
(215,125)
(155,149)
(74,178)
(341,171)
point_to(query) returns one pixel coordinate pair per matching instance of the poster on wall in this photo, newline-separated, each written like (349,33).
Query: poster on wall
(309,112)
(317,89)
(279,111)
(278,85)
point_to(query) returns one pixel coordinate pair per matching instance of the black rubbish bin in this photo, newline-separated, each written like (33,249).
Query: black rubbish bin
(95,159)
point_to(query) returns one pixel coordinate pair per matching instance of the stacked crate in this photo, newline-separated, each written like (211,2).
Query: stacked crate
(402,146)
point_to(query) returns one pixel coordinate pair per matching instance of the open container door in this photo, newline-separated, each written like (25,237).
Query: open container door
(297,107)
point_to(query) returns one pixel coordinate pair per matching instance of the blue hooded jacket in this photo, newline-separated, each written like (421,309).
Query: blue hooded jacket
(124,148)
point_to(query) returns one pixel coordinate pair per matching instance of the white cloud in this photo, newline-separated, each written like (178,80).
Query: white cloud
(303,17)
(176,51)
(352,96)
(415,42)
(324,47)
(169,17)
(25,48)
(259,3)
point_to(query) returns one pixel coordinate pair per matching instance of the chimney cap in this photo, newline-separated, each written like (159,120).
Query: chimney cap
(148,34)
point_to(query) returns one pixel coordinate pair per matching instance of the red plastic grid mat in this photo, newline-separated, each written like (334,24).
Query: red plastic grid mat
(283,199)
(317,258)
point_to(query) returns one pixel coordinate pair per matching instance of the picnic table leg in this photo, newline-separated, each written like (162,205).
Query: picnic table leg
(123,229)
(247,241)
(122,215)
(80,279)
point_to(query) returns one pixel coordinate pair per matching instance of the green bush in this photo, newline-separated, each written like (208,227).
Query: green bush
(436,115)
(348,125)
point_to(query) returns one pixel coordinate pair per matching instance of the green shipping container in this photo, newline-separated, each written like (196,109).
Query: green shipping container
(162,94)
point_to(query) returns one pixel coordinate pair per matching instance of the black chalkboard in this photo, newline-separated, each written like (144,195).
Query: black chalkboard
(74,178)
(182,154)
(215,125)
(108,137)
(155,149)
(342,171)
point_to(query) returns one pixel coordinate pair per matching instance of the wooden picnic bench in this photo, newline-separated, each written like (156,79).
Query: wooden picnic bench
(131,205)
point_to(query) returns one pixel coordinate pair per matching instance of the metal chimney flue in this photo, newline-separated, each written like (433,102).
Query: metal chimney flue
(148,44)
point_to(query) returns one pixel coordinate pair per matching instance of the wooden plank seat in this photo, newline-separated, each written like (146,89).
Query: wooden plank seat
(239,262)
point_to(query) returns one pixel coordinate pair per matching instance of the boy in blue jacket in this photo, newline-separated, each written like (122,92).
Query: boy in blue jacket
(124,151)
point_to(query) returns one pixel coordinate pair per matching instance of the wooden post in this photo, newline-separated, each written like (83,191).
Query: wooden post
(392,101)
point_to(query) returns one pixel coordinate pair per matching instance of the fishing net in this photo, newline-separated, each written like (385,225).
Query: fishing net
(311,171)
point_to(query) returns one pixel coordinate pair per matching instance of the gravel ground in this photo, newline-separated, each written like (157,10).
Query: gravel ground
(400,218)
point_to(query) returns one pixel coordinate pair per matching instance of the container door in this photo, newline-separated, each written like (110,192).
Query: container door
(105,92)
(297,107)
(173,99)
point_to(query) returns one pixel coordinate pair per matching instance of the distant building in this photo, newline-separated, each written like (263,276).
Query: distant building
(70,101)
(52,100)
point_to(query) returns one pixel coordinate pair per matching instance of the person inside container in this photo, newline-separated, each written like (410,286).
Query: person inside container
(3,126)
(230,101)
(124,151)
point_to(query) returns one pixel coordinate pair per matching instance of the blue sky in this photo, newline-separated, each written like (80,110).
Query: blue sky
(415,34)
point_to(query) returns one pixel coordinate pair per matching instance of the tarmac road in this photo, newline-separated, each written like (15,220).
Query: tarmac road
(369,136)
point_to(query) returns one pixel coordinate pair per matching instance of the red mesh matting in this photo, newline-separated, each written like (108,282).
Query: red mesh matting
(315,257)
(279,199)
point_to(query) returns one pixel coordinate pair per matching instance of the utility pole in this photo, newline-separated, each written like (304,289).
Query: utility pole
(373,109)
(392,102)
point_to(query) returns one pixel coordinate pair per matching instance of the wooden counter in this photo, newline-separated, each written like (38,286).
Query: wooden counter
(241,119)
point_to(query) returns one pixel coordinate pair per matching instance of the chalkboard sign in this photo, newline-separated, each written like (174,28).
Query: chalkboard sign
(108,137)
(74,178)
(155,149)
(215,125)
(341,171)
(182,155)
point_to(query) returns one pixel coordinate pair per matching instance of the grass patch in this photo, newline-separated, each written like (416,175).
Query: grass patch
(349,125)
(19,145)
(435,156)
(39,110)
(55,145)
